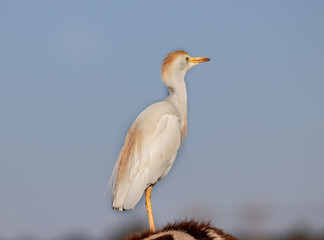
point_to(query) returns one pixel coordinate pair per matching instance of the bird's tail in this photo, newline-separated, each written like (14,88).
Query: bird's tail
(108,194)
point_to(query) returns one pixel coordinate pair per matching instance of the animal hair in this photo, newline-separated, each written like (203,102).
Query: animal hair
(184,230)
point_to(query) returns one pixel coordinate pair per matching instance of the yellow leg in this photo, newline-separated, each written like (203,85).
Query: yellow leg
(149,208)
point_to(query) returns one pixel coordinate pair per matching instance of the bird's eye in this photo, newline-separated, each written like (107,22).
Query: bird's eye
(187,59)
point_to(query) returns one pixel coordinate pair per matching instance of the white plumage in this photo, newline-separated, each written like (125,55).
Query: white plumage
(151,161)
(153,140)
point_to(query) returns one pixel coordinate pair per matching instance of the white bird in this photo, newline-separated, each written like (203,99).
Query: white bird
(153,140)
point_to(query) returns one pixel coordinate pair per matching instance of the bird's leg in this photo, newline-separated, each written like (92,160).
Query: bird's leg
(149,208)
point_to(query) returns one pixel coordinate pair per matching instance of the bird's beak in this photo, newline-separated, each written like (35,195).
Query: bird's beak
(197,60)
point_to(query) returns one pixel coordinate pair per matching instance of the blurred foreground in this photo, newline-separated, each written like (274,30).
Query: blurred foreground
(248,222)
(302,233)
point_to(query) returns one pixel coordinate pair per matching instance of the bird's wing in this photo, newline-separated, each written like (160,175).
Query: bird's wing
(149,151)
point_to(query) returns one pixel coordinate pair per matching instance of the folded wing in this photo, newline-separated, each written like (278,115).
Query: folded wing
(149,151)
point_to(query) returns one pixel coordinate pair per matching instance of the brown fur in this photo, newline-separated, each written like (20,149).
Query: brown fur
(198,231)
(133,143)
(168,59)
(164,237)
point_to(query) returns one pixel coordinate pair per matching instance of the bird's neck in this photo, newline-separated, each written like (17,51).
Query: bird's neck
(178,97)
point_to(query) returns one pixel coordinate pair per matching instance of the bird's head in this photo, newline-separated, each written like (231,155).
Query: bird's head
(178,63)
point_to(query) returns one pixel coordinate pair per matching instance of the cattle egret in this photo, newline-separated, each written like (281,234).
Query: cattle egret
(153,140)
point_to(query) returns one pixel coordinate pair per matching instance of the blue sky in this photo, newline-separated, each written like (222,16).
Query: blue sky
(74,75)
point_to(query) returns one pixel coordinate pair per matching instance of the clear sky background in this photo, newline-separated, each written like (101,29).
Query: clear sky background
(75,74)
